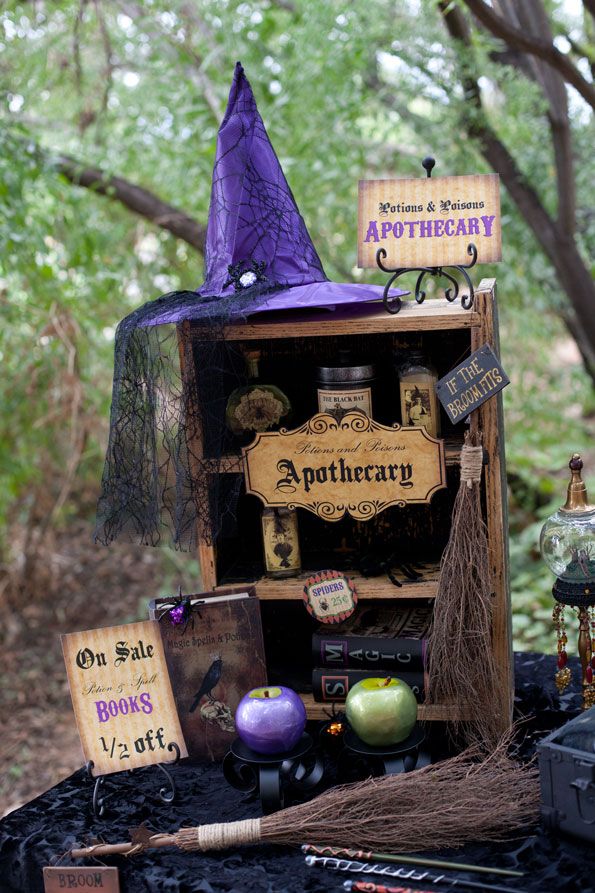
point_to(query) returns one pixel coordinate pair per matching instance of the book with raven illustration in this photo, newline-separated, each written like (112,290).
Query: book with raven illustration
(215,654)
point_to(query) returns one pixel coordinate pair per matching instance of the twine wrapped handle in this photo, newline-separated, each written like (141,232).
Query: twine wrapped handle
(219,836)
(471,463)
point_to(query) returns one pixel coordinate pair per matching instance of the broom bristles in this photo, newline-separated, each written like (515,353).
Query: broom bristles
(441,805)
(467,797)
(461,799)
(462,668)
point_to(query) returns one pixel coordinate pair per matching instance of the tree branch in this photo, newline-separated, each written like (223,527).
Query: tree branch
(195,72)
(543,49)
(137,199)
(558,244)
(531,17)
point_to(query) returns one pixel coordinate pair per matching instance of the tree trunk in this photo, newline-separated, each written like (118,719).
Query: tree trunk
(557,243)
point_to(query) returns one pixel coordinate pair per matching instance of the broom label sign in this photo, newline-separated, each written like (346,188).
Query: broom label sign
(429,222)
(122,697)
(351,466)
(471,383)
(81,877)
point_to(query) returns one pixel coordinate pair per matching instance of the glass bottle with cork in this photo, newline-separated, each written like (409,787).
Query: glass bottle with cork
(281,543)
(417,392)
(256,406)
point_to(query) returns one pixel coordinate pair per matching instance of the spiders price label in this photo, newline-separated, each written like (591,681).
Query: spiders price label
(330,596)
(122,697)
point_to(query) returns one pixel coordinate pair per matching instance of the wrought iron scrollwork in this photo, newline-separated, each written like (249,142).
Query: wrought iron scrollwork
(451,292)
(118,786)
(273,777)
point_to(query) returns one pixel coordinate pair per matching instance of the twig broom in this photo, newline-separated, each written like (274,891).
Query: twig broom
(462,668)
(443,805)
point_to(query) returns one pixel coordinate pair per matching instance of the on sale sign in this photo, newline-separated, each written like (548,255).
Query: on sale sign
(122,697)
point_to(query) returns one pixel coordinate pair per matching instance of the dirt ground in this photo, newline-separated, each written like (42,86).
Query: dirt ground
(98,586)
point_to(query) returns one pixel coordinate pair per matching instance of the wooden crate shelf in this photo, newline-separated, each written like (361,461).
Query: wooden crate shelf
(448,332)
(367,587)
(369,319)
(426,712)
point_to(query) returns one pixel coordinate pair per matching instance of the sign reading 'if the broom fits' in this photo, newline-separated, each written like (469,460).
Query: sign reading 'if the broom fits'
(429,222)
(471,383)
(349,466)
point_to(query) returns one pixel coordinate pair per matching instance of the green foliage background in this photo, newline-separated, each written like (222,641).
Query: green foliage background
(346,90)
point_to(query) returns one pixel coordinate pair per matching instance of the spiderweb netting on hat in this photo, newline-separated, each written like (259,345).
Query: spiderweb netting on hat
(174,367)
(167,424)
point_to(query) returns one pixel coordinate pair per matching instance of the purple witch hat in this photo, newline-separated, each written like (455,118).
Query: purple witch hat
(256,237)
(254,221)
(259,256)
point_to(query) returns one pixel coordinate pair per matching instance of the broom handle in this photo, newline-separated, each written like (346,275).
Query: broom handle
(123,849)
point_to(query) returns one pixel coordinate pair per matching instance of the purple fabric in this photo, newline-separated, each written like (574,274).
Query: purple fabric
(326,295)
(253,217)
(157,485)
(253,214)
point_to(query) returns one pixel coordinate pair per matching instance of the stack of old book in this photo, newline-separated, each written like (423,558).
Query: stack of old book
(376,641)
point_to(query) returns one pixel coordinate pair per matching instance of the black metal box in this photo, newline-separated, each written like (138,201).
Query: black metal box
(567,772)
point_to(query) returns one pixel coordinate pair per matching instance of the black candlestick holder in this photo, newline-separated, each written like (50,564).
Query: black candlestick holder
(391,759)
(274,777)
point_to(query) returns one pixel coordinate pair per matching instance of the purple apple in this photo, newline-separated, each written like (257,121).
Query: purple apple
(271,719)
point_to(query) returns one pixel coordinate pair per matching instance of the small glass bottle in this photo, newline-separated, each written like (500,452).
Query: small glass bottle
(281,542)
(417,390)
(256,406)
(346,386)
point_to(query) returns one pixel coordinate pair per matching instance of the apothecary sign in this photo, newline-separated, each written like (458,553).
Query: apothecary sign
(350,466)
(429,222)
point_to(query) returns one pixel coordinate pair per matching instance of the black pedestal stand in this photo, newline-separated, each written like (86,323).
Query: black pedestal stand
(101,796)
(271,776)
(389,760)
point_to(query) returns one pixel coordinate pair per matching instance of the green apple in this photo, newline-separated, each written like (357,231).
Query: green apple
(381,711)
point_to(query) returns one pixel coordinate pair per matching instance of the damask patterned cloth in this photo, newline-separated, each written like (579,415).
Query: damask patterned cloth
(51,824)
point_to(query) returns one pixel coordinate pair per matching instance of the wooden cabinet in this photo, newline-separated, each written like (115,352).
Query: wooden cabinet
(291,347)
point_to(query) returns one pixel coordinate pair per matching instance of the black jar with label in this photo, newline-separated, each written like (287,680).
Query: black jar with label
(345,386)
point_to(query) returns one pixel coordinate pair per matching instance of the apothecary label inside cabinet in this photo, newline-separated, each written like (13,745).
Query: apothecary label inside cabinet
(350,466)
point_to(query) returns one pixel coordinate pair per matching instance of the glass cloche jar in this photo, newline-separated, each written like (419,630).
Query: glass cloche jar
(567,539)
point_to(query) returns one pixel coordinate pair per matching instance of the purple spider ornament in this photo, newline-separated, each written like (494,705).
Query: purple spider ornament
(180,612)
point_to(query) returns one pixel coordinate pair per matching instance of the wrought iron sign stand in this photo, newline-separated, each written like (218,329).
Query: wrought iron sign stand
(100,797)
(451,292)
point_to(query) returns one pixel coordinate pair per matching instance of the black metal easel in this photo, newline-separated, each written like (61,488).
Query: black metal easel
(394,304)
(166,793)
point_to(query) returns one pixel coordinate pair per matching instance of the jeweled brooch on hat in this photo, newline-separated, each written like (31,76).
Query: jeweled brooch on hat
(244,275)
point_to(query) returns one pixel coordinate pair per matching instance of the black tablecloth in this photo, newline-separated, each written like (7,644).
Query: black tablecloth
(55,821)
